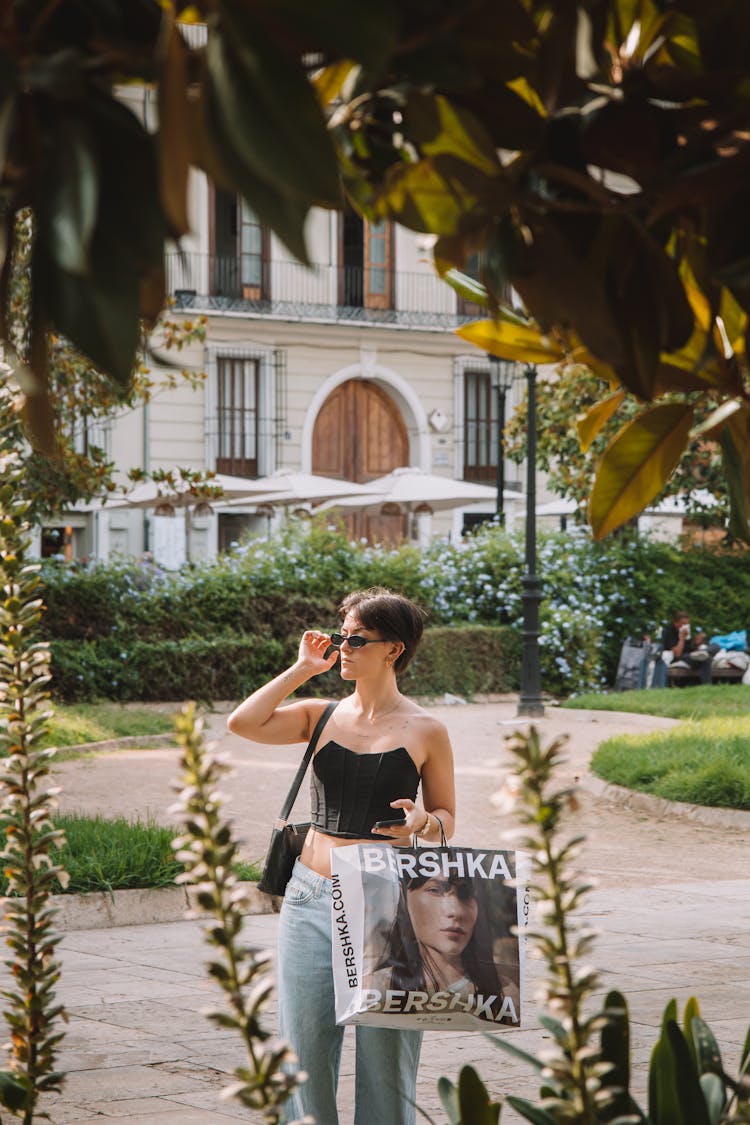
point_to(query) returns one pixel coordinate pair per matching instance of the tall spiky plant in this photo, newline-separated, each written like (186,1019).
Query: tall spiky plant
(30,1006)
(209,854)
(585,1073)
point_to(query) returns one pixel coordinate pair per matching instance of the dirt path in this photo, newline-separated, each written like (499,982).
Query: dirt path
(624,846)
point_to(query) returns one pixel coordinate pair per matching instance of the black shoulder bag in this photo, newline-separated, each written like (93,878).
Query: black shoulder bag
(287,840)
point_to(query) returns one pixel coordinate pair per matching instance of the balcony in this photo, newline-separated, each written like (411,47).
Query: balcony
(324,294)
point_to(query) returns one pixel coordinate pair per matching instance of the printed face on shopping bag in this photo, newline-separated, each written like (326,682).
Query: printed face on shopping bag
(443,915)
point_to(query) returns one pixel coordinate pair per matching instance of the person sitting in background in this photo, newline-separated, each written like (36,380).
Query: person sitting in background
(687,651)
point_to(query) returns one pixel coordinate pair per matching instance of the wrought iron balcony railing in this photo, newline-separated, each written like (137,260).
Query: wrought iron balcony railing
(321,293)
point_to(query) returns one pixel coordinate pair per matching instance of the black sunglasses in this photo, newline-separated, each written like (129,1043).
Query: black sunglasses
(355,641)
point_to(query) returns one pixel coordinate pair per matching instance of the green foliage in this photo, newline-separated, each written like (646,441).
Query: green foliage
(465,660)
(78,724)
(31,1012)
(585,1069)
(74,467)
(630,256)
(137,622)
(98,854)
(225,668)
(209,853)
(704,763)
(699,702)
(571,468)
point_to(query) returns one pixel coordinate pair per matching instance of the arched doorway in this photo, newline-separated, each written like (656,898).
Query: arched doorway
(360,434)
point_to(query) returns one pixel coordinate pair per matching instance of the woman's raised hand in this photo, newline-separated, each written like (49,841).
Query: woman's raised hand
(312,651)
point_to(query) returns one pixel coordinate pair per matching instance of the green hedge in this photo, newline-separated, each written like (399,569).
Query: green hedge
(463,661)
(152,671)
(594,595)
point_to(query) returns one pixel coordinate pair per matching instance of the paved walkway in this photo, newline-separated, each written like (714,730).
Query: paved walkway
(672,907)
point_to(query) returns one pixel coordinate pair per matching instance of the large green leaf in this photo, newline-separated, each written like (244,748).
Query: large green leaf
(363,32)
(460,135)
(474,1102)
(71,201)
(271,114)
(130,213)
(692,1010)
(564,287)
(615,1040)
(734,471)
(421,198)
(100,314)
(637,464)
(707,1053)
(507,1045)
(591,423)
(448,1093)
(508,118)
(692,1104)
(533,1113)
(466,287)
(745,1057)
(285,215)
(175,143)
(714,1094)
(522,343)
(663,1106)
(15,1091)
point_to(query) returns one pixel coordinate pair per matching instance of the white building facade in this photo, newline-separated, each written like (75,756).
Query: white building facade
(348,367)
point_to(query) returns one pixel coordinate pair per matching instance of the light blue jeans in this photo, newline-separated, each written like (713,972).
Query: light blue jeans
(386,1060)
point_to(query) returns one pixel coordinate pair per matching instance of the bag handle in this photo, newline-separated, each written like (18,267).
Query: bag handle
(291,796)
(443,842)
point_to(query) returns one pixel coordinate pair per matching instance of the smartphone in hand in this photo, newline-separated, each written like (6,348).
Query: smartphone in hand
(390,823)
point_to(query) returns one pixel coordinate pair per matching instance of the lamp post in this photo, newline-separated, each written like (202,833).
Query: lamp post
(530,700)
(501,380)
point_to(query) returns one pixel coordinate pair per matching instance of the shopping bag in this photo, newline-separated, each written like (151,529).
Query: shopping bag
(429,937)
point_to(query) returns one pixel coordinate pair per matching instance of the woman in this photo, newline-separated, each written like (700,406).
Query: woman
(375,751)
(441,941)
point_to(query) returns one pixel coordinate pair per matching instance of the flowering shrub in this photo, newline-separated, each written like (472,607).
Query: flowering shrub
(594,595)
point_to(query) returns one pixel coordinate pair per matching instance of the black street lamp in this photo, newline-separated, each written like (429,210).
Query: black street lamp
(530,700)
(501,380)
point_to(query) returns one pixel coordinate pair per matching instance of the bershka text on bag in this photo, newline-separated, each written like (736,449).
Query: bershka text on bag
(464,863)
(429,937)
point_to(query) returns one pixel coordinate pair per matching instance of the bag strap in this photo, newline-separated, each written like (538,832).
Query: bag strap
(443,841)
(291,796)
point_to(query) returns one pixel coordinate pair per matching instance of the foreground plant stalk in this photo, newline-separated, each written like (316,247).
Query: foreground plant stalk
(585,1074)
(30,1007)
(209,854)
(573,1065)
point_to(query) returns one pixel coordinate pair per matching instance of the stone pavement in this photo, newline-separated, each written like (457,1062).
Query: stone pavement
(672,908)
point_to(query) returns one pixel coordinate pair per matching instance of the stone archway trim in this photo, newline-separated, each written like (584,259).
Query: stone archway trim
(386,378)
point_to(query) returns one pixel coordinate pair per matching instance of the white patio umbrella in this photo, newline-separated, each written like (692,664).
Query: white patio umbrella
(287,487)
(410,490)
(150,494)
(165,500)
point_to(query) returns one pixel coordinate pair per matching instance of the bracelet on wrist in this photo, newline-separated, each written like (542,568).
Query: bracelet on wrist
(425,827)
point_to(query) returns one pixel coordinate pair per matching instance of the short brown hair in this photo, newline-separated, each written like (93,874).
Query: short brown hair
(393,615)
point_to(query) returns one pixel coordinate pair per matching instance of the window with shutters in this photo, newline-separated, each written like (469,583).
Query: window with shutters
(480,427)
(237,394)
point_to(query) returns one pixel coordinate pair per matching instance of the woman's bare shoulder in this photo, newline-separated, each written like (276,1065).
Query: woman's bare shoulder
(429,726)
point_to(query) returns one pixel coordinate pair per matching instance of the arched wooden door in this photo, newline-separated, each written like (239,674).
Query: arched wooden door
(359,434)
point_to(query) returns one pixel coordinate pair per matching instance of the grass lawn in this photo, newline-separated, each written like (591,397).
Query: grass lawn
(699,702)
(118,854)
(704,762)
(73,724)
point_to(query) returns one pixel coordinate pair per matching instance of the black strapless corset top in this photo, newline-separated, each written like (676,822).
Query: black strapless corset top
(350,791)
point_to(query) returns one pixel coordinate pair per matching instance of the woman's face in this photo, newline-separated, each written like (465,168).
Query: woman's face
(357,663)
(441,920)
